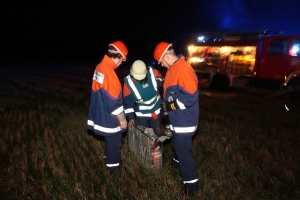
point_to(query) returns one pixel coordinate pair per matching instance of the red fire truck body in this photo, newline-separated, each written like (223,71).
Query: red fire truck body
(241,58)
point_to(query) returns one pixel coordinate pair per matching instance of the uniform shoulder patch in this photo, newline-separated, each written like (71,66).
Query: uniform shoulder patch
(99,77)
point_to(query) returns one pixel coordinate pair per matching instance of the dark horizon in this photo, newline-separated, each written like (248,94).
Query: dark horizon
(80,32)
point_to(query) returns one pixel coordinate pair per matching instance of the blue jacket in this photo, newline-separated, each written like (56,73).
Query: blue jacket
(181,85)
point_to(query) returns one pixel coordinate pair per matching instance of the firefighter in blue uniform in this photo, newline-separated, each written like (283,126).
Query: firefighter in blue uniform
(141,96)
(181,101)
(106,114)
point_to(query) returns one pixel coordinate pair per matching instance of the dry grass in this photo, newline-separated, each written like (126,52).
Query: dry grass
(244,148)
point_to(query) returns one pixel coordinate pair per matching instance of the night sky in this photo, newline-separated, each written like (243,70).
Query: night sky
(80,31)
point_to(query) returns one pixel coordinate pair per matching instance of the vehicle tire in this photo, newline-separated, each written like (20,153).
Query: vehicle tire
(219,82)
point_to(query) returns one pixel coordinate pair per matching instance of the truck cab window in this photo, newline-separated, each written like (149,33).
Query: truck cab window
(278,47)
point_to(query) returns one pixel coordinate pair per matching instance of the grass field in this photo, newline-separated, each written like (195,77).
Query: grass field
(244,148)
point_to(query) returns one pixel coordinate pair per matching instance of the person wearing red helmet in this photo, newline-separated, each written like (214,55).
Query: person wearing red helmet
(106,113)
(181,102)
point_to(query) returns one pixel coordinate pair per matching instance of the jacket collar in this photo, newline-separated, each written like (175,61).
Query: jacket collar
(179,60)
(107,60)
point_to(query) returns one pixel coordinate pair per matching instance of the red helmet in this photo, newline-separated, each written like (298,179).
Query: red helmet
(120,48)
(160,50)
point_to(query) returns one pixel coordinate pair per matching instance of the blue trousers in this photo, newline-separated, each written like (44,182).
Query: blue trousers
(113,151)
(155,124)
(184,158)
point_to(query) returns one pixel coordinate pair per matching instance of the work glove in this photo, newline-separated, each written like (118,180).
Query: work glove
(170,106)
(122,120)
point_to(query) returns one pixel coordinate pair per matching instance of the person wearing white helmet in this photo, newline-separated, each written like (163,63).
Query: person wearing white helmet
(141,96)
(106,114)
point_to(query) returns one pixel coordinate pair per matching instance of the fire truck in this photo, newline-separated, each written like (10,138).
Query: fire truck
(266,58)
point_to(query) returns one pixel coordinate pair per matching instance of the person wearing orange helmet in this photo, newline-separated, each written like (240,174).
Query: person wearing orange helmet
(106,115)
(181,102)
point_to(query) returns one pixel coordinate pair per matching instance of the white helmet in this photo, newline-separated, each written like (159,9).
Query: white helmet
(138,70)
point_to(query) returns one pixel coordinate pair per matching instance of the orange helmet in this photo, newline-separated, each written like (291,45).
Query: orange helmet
(120,48)
(160,50)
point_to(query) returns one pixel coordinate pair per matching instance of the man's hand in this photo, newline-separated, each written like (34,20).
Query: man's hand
(131,122)
(123,124)
(122,120)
